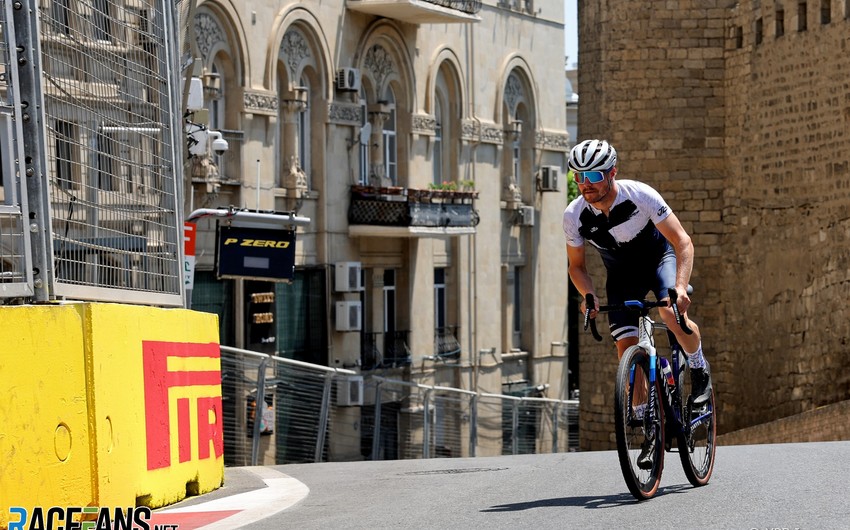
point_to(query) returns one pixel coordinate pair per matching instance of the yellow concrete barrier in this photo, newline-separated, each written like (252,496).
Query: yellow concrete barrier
(108,405)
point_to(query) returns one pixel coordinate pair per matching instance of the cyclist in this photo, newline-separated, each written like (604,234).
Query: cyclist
(643,247)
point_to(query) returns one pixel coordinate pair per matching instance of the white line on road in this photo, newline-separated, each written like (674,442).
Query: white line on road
(282,492)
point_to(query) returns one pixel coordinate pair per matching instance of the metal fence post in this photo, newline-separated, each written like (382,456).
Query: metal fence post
(376,429)
(555,427)
(426,426)
(515,428)
(259,408)
(323,417)
(29,68)
(473,424)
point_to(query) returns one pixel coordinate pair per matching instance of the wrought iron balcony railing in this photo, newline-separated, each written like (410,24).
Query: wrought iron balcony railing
(446,345)
(395,350)
(421,12)
(404,207)
(467,6)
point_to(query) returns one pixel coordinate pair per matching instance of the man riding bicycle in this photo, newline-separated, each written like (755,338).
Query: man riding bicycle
(644,248)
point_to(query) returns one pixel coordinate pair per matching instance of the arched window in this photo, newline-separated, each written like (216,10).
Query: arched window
(390,146)
(365,133)
(214,95)
(517,156)
(438,141)
(447,101)
(303,131)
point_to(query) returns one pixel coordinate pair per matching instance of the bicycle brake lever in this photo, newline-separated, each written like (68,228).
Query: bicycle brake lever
(679,320)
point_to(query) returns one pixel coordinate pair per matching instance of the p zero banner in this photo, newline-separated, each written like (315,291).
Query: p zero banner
(258,253)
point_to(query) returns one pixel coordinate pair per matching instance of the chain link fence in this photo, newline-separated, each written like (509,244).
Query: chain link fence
(91,103)
(280,411)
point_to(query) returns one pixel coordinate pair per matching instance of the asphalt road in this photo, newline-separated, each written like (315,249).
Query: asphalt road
(753,487)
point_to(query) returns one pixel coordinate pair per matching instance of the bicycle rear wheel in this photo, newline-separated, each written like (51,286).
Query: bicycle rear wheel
(697,441)
(631,430)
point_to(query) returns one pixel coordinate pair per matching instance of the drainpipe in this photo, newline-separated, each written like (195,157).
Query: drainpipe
(472,247)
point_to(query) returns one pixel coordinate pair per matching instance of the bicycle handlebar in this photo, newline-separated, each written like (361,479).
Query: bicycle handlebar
(633,305)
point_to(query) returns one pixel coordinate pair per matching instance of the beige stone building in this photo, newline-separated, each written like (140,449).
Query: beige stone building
(426,142)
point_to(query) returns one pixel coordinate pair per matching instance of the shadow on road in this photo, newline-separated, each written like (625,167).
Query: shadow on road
(590,502)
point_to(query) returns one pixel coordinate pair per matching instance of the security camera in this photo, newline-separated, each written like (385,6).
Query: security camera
(219,145)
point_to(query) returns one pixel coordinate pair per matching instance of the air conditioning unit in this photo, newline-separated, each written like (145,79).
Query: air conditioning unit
(525,216)
(349,391)
(348,277)
(549,176)
(349,315)
(348,79)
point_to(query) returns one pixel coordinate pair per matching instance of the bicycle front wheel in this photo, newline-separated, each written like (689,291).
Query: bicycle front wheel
(636,425)
(696,441)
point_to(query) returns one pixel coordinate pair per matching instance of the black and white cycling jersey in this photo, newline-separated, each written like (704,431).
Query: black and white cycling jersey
(627,236)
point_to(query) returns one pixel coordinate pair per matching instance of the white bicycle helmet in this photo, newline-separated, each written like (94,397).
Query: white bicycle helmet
(593,155)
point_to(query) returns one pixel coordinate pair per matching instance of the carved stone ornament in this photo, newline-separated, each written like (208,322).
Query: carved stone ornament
(552,141)
(513,93)
(294,50)
(208,33)
(260,102)
(379,63)
(491,134)
(345,114)
(470,131)
(424,124)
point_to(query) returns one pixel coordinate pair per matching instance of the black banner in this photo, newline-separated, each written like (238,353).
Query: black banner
(259,253)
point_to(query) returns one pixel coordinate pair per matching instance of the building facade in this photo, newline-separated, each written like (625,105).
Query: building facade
(426,143)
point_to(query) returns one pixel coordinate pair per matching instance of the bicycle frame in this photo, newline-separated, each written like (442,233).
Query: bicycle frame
(646,340)
(673,396)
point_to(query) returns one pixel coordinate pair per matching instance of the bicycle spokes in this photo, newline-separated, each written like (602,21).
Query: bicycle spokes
(639,425)
(697,442)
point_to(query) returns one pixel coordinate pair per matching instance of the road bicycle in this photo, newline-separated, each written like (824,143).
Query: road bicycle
(669,413)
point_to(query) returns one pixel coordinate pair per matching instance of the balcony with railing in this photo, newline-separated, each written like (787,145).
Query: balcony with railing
(446,345)
(395,351)
(407,212)
(421,11)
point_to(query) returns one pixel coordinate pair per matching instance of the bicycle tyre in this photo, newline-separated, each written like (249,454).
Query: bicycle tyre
(697,446)
(643,484)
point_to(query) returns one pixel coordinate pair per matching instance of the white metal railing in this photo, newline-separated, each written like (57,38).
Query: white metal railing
(312,413)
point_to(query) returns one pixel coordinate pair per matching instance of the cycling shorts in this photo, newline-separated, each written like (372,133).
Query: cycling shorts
(630,284)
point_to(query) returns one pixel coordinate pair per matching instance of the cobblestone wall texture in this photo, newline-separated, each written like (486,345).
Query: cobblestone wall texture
(750,144)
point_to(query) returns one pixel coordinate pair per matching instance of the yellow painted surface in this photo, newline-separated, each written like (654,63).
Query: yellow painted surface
(43,410)
(117,336)
(73,415)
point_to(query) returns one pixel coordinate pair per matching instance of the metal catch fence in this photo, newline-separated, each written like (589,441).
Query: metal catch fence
(91,103)
(310,413)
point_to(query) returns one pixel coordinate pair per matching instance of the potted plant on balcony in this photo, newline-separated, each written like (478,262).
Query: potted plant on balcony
(450,192)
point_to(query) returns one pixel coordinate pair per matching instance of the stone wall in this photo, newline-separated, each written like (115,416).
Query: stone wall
(823,424)
(749,144)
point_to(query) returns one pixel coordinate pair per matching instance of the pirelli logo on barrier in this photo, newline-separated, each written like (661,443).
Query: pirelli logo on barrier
(185,378)
(255,253)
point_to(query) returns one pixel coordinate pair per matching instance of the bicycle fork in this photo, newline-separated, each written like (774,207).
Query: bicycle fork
(650,414)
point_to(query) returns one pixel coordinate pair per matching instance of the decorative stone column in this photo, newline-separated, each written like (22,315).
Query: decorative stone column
(378,114)
(294,180)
